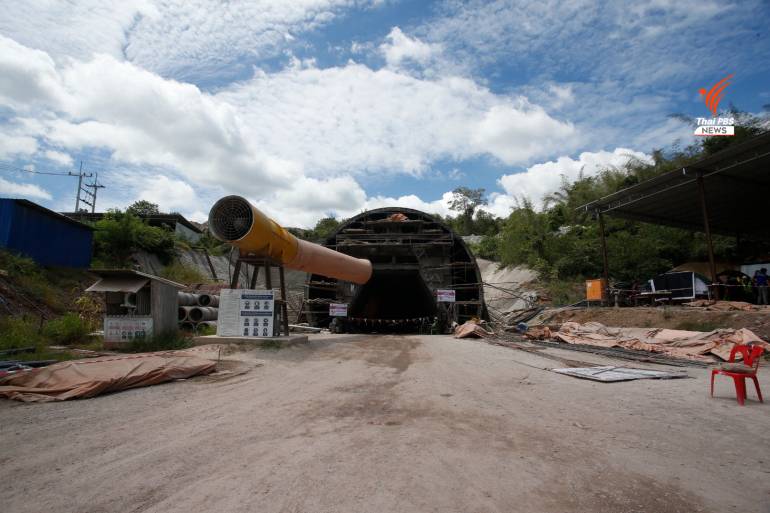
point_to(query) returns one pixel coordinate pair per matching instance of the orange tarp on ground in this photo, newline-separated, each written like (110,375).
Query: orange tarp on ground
(727,306)
(87,378)
(678,343)
(471,329)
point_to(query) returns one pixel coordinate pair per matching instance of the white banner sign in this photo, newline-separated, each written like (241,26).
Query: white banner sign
(126,329)
(246,313)
(338,310)
(445,295)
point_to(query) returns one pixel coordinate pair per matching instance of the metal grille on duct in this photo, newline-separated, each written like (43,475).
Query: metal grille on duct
(231,218)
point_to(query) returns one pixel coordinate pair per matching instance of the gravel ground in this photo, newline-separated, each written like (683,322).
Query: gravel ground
(386,423)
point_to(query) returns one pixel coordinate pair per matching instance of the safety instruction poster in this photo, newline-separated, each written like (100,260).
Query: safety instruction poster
(338,310)
(126,329)
(445,295)
(246,313)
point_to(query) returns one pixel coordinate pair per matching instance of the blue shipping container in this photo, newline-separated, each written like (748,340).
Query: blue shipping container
(47,237)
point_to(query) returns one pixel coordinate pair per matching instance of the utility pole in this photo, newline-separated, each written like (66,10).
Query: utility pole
(80,174)
(94,186)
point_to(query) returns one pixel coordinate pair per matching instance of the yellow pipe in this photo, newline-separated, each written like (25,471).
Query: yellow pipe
(235,220)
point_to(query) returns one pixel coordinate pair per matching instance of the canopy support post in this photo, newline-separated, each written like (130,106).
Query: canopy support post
(707,229)
(605,262)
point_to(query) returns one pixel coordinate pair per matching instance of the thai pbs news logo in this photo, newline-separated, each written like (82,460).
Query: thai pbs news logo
(716,125)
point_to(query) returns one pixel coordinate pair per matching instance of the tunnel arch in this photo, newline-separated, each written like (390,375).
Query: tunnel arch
(413,255)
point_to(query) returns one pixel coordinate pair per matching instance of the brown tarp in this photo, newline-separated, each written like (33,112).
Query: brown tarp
(94,376)
(727,306)
(696,345)
(472,330)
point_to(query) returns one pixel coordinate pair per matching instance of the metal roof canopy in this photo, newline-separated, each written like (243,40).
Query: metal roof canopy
(736,189)
(125,280)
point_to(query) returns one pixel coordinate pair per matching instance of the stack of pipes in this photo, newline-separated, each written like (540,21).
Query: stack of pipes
(197,310)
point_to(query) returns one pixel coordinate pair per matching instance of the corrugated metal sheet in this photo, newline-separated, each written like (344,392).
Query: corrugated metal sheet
(119,284)
(44,235)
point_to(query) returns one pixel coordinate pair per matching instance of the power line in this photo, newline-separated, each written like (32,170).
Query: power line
(89,190)
(7,167)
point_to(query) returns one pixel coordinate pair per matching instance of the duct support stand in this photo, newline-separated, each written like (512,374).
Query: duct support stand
(257,262)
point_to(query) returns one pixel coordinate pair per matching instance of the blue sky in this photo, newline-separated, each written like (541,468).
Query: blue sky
(313,107)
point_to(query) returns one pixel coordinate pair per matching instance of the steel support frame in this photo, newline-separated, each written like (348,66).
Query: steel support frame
(267,265)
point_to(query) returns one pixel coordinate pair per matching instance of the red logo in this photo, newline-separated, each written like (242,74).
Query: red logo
(714,95)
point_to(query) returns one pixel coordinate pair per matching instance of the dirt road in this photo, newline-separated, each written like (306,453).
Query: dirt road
(406,424)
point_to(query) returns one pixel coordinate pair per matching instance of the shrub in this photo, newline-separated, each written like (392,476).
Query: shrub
(16,332)
(181,273)
(67,329)
(17,265)
(488,247)
(119,234)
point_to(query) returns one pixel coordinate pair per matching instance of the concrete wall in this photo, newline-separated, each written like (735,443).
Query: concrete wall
(164,308)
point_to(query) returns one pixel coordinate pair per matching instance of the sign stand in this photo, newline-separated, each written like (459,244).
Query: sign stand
(266,264)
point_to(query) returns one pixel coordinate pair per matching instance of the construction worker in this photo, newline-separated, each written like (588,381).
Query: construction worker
(760,281)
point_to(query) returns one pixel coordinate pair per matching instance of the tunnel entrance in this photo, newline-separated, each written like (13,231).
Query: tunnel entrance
(413,255)
(392,301)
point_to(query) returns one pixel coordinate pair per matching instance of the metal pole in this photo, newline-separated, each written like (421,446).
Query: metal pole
(236,274)
(605,261)
(284,301)
(96,188)
(268,275)
(80,184)
(254,276)
(707,229)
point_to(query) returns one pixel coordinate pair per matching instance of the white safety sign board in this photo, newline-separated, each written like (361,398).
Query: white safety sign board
(338,310)
(445,295)
(246,313)
(126,329)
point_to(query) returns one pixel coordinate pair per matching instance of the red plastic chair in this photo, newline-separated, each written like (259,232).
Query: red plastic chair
(751,356)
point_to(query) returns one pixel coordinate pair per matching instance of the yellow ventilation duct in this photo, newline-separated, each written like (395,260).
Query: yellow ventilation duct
(233,219)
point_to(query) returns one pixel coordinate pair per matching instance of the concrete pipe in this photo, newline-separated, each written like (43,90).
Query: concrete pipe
(184,312)
(208,300)
(233,219)
(211,324)
(187,299)
(187,326)
(203,313)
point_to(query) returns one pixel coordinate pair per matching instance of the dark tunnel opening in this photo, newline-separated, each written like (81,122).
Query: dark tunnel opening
(394,300)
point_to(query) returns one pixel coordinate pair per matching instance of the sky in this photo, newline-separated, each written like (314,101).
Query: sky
(312,108)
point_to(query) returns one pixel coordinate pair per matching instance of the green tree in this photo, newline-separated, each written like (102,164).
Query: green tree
(143,208)
(324,228)
(119,234)
(465,201)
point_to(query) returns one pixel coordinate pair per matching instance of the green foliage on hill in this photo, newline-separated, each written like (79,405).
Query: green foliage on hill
(562,243)
(119,234)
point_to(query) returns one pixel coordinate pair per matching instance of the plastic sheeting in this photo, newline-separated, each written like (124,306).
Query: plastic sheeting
(91,377)
(677,343)
(610,374)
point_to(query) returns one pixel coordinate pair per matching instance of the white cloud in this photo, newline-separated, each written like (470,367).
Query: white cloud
(640,43)
(23,190)
(73,29)
(181,38)
(60,158)
(354,119)
(439,206)
(540,180)
(169,194)
(15,145)
(304,202)
(275,128)
(400,47)
(187,38)
(28,78)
